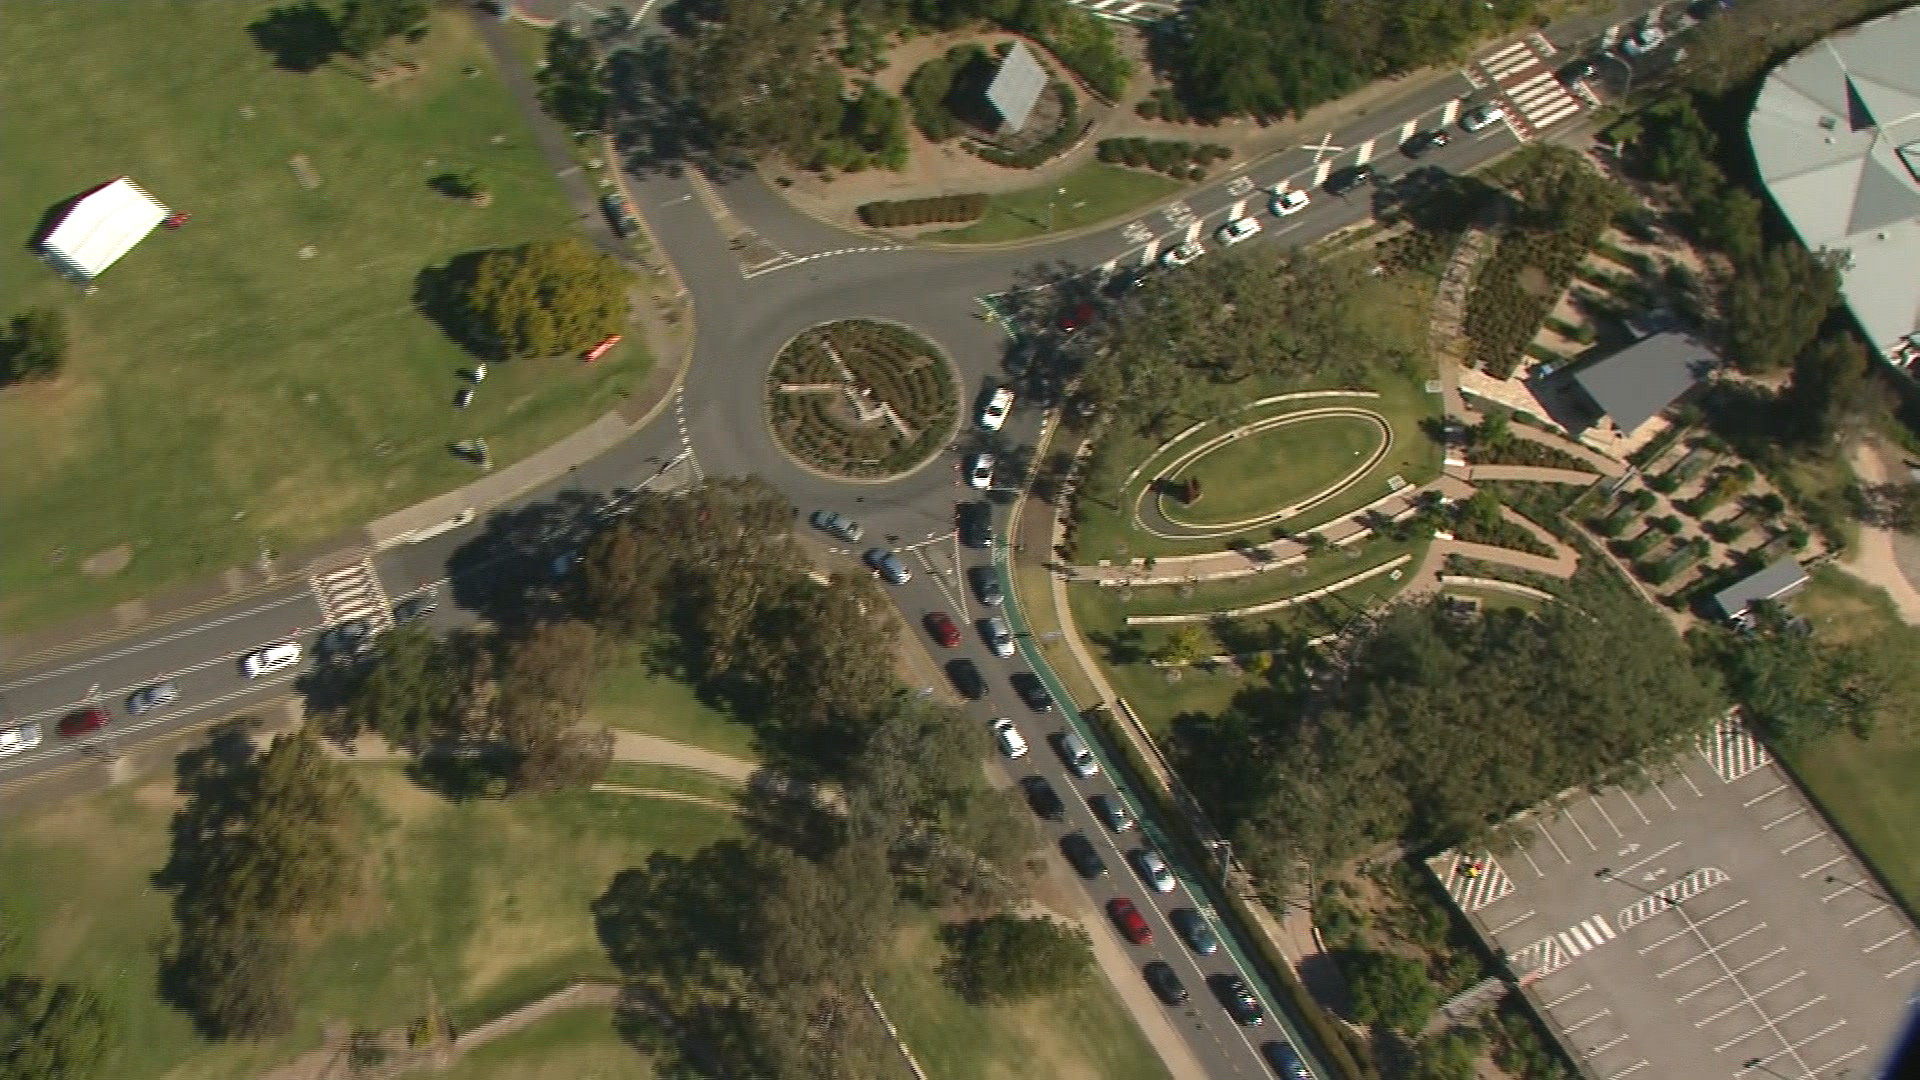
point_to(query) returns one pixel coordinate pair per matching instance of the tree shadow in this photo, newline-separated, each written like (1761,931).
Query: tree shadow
(439,293)
(301,37)
(506,573)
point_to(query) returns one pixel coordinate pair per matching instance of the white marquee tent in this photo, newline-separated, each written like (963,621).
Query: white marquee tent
(102,226)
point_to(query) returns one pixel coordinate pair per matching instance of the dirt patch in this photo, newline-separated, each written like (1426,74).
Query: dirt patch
(109,562)
(1533,282)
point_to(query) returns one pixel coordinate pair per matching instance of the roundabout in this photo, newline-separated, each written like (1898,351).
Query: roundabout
(861,400)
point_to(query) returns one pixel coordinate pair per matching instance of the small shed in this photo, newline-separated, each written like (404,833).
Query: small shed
(100,227)
(1016,87)
(1777,582)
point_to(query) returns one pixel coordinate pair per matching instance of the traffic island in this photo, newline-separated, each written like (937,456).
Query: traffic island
(861,399)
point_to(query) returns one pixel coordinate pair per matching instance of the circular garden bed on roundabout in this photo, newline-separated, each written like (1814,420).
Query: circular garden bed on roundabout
(862,399)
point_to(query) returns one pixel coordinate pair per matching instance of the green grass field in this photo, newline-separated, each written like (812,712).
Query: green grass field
(579,1044)
(485,904)
(1262,472)
(1088,195)
(222,389)
(673,778)
(631,696)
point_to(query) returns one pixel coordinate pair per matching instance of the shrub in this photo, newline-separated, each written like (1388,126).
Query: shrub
(938,209)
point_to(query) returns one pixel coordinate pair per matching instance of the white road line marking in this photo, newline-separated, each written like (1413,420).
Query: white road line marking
(1684,998)
(1733,1008)
(1596,1051)
(1555,843)
(1364,153)
(1237,211)
(1800,1008)
(1566,997)
(1147,253)
(1406,132)
(1320,171)
(1193,230)
(1629,1070)
(149,643)
(1107,268)
(1580,937)
(1885,941)
(1733,973)
(1711,950)
(1691,786)
(1783,819)
(1577,1025)
(1855,1052)
(1631,867)
(1865,915)
(1644,819)
(1564,108)
(1536,866)
(1742,1037)
(1902,968)
(1835,861)
(1678,934)
(1796,976)
(1798,844)
(1449,111)
(1604,816)
(1658,790)
(1600,925)
(1767,794)
(1571,820)
(1513,922)
(1789,1048)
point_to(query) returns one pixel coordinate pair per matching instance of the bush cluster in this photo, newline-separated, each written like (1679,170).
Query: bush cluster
(1069,132)
(901,369)
(1082,41)
(942,208)
(1178,159)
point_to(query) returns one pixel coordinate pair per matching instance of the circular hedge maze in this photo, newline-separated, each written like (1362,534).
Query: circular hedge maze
(862,399)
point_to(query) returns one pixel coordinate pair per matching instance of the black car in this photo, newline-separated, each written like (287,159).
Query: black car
(1166,985)
(1577,71)
(1044,800)
(1424,141)
(1345,180)
(1124,282)
(976,524)
(1285,1061)
(967,678)
(1032,691)
(1080,852)
(1193,929)
(1239,1000)
(986,585)
(417,606)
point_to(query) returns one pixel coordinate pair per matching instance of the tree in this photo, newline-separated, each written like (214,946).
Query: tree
(1389,990)
(623,579)
(1185,644)
(35,346)
(416,689)
(1831,397)
(754,76)
(367,25)
(233,974)
(1006,959)
(547,298)
(542,697)
(1776,307)
(52,1030)
(1793,686)
(572,86)
(1452,1055)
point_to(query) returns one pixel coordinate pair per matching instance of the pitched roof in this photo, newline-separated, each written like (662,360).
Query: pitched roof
(1634,384)
(1776,581)
(1016,86)
(101,226)
(1836,135)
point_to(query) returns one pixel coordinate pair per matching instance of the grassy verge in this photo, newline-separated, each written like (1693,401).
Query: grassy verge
(483,905)
(673,778)
(225,389)
(632,697)
(570,1045)
(1085,1032)
(1089,195)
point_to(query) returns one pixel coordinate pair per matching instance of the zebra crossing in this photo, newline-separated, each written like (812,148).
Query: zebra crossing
(1555,951)
(1474,881)
(1127,11)
(351,592)
(1535,98)
(1731,751)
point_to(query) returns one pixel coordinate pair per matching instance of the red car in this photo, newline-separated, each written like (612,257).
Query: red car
(941,626)
(1076,317)
(79,723)
(1128,919)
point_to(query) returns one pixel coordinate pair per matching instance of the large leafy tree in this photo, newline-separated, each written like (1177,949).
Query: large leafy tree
(52,1030)
(417,689)
(1776,307)
(1795,686)
(35,345)
(754,74)
(1390,990)
(571,85)
(547,298)
(1005,959)
(366,25)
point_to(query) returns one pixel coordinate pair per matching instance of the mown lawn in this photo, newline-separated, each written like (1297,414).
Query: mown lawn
(1089,195)
(1267,470)
(223,390)
(483,905)
(579,1044)
(633,697)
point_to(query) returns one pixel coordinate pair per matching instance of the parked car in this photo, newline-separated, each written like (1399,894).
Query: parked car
(1483,116)
(976,524)
(1074,752)
(83,721)
(1238,230)
(1194,930)
(269,659)
(1081,853)
(833,524)
(1044,800)
(1165,984)
(1346,180)
(463,397)
(888,565)
(619,215)
(993,630)
(1133,926)
(1012,744)
(993,415)
(1153,869)
(416,607)
(149,698)
(967,678)
(1576,72)
(19,739)
(986,585)
(1424,141)
(1124,282)
(1239,1000)
(1076,316)
(1111,812)
(941,628)
(980,471)
(1644,41)
(349,638)
(1288,202)
(1032,691)
(1285,1061)
(1183,254)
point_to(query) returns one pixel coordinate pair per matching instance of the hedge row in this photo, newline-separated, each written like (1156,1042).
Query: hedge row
(1065,135)
(941,208)
(1177,159)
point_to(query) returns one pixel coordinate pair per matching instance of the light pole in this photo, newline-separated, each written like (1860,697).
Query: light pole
(1058,194)
(1606,873)
(1857,886)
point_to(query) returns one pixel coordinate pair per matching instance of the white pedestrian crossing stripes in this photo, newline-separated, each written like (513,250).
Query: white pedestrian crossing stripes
(1677,893)
(1364,153)
(1238,211)
(1535,98)
(1731,751)
(1126,11)
(1555,951)
(1474,881)
(351,592)
(1449,112)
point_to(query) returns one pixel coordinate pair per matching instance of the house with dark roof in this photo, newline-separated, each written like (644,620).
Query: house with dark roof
(1777,582)
(1637,383)
(1016,87)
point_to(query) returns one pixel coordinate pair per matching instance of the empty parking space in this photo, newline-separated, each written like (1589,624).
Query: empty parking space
(1702,922)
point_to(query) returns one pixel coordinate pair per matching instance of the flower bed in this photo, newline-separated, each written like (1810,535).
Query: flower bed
(841,417)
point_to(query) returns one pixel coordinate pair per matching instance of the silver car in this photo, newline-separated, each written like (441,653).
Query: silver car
(149,698)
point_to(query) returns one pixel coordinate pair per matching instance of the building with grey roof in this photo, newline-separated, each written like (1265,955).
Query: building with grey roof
(1777,582)
(1835,133)
(1635,384)
(1016,87)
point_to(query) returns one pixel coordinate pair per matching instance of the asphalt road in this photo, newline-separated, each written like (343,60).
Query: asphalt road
(743,320)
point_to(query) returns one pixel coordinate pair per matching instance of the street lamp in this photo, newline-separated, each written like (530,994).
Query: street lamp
(1857,886)
(1606,873)
(1058,194)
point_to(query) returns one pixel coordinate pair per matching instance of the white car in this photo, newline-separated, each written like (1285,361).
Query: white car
(980,473)
(15,740)
(1154,869)
(997,408)
(1485,116)
(1288,201)
(999,638)
(1008,736)
(1182,255)
(1233,232)
(270,659)
(1648,39)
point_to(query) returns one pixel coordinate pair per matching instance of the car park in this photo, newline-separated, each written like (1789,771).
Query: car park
(1346,180)
(993,415)
(1182,254)
(940,627)
(1032,691)
(1166,985)
(1194,929)
(83,721)
(1075,753)
(1043,799)
(980,471)
(1285,1061)
(1011,743)
(1239,1000)
(19,739)
(834,525)
(1238,230)
(1112,812)
(1288,201)
(416,607)
(998,638)
(1081,853)
(149,698)
(269,659)
(976,524)
(986,585)
(1153,869)
(1424,141)
(967,678)
(1483,116)
(888,565)
(1133,926)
